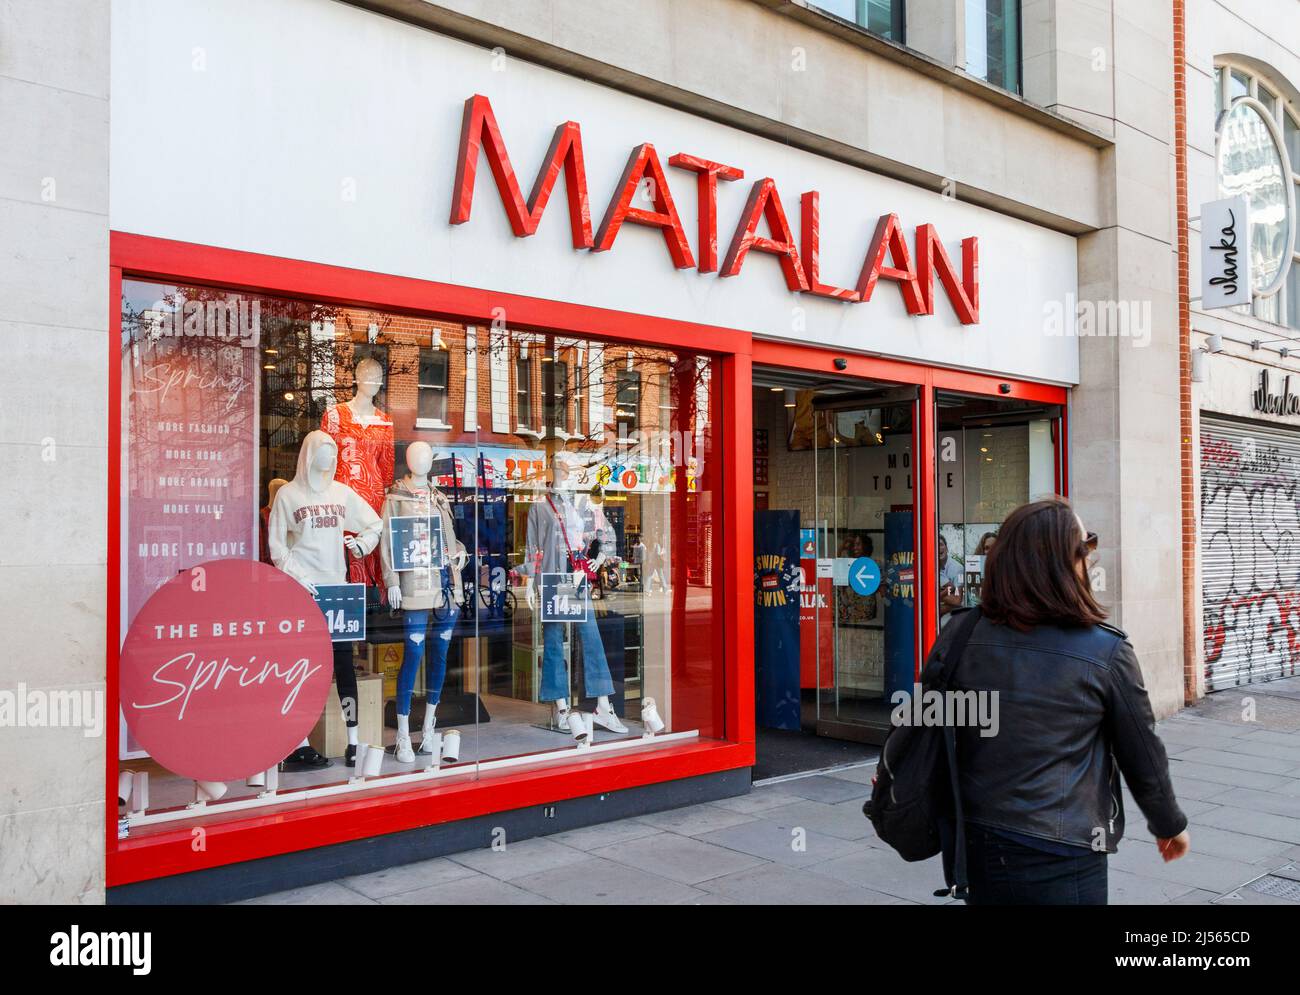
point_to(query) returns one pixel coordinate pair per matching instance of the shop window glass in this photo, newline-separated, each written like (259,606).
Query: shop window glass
(993,42)
(992,456)
(514,596)
(833,496)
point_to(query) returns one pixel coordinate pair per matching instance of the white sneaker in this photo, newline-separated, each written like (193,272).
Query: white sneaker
(428,742)
(405,755)
(609,720)
(562,719)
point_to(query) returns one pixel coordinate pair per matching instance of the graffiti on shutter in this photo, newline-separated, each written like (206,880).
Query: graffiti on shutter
(1250,551)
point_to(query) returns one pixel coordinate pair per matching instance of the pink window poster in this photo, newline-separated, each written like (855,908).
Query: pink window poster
(189,474)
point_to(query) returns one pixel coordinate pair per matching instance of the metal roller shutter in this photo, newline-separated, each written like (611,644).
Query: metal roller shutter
(1250,551)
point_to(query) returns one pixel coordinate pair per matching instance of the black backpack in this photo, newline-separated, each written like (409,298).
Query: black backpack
(916,780)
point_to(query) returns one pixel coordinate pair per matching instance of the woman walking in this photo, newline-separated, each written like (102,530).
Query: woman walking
(1042,798)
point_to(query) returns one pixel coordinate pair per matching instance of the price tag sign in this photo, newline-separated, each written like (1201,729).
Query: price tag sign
(415,542)
(344,608)
(562,600)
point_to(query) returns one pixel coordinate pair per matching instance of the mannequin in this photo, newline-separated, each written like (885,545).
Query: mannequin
(364,436)
(416,592)
(314,520)
(554,535)
(272,489)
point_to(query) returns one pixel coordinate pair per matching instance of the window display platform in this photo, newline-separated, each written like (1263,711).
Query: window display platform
(498,745)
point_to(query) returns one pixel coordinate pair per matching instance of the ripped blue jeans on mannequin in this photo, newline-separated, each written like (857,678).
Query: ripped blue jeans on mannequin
(428,641)
(595,667)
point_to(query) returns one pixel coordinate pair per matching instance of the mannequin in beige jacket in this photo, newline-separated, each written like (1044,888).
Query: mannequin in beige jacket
(417,593)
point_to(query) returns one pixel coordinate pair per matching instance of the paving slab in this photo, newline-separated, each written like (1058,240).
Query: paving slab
(696,819)
(1240,820)
(884,870)
(606,834)
(678,858)
(516,860)
(478,889)
(822,788)
(594,881)
(327,893)
(770,884)
(844,821)
(1196,870)
(776,840)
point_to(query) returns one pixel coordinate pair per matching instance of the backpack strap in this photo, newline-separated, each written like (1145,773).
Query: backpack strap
(960,885)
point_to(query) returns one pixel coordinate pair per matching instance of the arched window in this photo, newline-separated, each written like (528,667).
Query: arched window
(1238,83)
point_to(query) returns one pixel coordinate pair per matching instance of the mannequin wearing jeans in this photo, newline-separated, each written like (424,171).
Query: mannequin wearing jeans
(428,637)
(416,592)
(554,525)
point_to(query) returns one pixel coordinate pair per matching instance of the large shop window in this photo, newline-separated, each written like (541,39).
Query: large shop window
(474,598)
(991,456)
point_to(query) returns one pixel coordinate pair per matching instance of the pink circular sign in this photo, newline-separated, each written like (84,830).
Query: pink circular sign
(225,669)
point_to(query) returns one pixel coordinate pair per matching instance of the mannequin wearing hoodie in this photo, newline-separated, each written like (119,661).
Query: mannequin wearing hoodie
(554,535)
(306,535)
(418,592)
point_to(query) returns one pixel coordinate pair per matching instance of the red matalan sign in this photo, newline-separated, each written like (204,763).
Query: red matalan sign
(225,669)
(887,257)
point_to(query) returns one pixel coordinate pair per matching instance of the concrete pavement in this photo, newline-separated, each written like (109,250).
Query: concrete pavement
(1235,759)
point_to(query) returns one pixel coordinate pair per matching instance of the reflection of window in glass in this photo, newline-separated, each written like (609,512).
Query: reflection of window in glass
(431,402)
(627,403)
(523,392)
(993,457)
(880,17)
(560,395)
(665,401)
(579,394)
(993,42)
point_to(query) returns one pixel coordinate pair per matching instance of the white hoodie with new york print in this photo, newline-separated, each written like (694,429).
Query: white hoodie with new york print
(311,513)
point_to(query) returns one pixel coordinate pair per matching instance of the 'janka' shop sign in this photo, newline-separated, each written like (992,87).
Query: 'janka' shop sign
(887,256)
(1285,403)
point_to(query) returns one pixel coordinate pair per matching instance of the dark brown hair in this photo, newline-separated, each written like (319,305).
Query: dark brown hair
(1031,575)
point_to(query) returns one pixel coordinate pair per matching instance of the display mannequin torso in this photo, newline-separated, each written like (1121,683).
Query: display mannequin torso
(364,435)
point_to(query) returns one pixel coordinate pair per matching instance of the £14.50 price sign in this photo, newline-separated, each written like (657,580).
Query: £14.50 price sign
(344,608)
(562,599)
(225,669)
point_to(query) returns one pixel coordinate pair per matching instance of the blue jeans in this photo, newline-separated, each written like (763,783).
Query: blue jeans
(430,642)
(1004,872)
(595,669)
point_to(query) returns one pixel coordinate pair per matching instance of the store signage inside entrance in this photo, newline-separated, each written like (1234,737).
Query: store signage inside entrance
(643,196)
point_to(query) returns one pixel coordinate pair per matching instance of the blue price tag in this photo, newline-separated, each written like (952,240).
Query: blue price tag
(864,576)
(344,608)
(562,600)
(415,542)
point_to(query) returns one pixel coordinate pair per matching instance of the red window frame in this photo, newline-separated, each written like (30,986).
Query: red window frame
(170,849)
(929,380)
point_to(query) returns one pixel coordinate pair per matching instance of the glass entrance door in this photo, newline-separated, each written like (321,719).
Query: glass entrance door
(835,459)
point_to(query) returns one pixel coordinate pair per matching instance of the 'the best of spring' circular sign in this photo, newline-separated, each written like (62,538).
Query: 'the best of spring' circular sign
(225,669)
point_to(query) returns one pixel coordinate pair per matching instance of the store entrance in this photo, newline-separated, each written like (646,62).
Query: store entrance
(834,544)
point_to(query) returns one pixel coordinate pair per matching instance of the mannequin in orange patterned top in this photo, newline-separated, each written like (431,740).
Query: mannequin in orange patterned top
(364,435)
